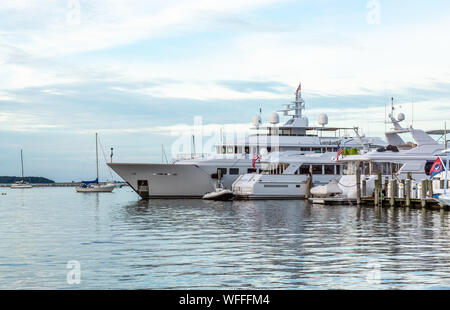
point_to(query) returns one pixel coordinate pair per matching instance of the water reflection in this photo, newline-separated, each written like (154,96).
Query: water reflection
(124,243)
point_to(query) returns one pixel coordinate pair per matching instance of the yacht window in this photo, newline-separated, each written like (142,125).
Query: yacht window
(247,150)
(234,171)
(376,168)
(365,168)
(384,168)
(251,170)
(239,150)
(224,150)
(349,169)
(305,149)
(269,149)
(230,150)
(338,169)
(218,149)
(304,169)
(222,170)
(329,169)
(317,149)
(317,169)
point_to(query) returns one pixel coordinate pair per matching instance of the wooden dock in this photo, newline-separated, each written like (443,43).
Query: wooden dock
(391,193)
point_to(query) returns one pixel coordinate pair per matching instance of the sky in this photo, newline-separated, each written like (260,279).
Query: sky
(139,72)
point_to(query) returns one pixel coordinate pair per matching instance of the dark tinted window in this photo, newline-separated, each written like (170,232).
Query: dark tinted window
(317,169)
(304,169)
(329,169)
(234,171)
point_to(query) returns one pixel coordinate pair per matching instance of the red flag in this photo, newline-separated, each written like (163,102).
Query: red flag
(299,88)
(339,152)
(437,168)
(255,158)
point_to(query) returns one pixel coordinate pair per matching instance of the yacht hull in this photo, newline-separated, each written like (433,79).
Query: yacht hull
(261,187)
(169,181)
(96,189)
(21,186)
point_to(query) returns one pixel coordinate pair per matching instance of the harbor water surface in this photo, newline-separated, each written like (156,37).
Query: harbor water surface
(121,242)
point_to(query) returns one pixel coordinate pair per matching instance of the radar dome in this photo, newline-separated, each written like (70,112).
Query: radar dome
(323,119)
(256,120)
(274,118)
(401,117)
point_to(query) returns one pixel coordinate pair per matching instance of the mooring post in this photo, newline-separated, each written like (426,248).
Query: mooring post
(430,188)
(408,193)
(308,185)
(364,188)
(386,183)
(424,193)
(393,192)
(358,183)
(376,194)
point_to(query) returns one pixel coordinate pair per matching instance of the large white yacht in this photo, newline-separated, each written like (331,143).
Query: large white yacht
(395,161)
(194,177)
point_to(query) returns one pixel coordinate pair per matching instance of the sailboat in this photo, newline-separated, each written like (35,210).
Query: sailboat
(21,184)
(94,186)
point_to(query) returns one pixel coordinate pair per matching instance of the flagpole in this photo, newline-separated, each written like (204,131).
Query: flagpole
(446,173)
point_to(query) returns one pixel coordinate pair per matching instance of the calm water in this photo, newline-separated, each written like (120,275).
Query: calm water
(123,243)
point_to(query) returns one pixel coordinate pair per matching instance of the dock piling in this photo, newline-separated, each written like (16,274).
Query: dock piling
(408,193)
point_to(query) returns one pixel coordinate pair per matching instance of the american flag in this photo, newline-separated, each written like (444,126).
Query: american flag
(339,153)
(299,88)
(255,158)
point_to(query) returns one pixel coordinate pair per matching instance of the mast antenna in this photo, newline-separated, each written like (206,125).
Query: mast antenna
(96,152)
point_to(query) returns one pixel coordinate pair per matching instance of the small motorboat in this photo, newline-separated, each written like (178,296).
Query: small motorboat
(220,194)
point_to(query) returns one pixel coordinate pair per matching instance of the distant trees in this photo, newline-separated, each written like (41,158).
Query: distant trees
(33,180)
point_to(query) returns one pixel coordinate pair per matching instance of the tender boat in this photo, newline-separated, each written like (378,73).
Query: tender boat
(220,193)
(95,186)
(21,184)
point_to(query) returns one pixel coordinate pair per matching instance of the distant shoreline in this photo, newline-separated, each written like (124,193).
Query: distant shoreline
(59,184)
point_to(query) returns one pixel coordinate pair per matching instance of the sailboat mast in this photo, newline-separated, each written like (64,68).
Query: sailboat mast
(21,159)
(96,152)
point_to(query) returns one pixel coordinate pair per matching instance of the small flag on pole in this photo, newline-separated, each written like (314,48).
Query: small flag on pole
(437,168)
(339,153)
(111,154)
(255,158)
(299,88)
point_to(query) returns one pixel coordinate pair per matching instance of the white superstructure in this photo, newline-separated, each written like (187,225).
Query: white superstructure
(196,176)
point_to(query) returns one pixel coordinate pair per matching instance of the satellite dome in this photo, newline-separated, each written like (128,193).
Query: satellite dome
(323,119)
(274,118)
(401,117)
(256,120)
